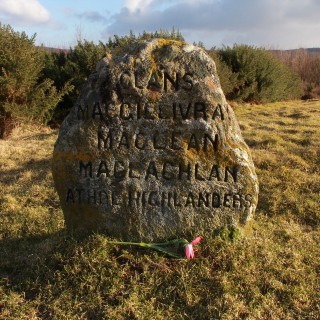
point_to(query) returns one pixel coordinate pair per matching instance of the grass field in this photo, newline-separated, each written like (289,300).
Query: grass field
(271,270)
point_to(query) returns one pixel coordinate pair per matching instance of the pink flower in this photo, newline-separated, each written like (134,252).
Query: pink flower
(188,248)
(196,240)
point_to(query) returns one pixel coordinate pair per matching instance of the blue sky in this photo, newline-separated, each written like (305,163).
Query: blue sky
(277,24)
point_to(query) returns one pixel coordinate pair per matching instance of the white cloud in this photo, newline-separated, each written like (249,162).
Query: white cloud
(134,5)
(285,24)
(92,16)
(23,11)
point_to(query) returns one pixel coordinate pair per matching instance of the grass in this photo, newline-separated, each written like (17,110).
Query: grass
(269,271)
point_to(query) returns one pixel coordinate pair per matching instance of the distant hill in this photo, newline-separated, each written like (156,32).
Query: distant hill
(312,51)
(50,49)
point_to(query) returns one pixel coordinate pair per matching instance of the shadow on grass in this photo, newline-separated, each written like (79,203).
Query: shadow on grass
(39,169)
(89,278)
(20,258)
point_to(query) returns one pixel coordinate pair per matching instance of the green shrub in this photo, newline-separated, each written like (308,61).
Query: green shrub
(24,95)
(257,76)
(71,67)
(226,76)
(75,65)
(122,41)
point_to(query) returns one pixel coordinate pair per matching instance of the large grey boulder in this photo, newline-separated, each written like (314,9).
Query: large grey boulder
(151,149)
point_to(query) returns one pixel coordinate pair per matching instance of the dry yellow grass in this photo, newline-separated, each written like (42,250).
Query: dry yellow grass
(29,203)
(285,142)
(270,271)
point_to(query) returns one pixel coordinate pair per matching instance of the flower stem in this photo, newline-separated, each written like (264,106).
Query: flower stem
(156,246)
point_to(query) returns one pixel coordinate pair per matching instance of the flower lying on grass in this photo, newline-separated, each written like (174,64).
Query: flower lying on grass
(173,248)
(188,248)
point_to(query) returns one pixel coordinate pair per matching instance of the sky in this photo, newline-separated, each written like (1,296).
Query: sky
(273,24)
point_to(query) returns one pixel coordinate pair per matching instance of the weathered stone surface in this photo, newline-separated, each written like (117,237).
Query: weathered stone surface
(151,149)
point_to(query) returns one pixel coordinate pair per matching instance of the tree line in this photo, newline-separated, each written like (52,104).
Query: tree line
(307,66)
(39,85)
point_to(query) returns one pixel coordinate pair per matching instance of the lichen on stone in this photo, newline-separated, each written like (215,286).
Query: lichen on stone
(151,149)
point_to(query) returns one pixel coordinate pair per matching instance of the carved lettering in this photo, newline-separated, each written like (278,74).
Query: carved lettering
(103,169)
(181,111)
(112,140)
(140,141)
(70,196)
(80,195)
(134,198)
(86,168)
(167,173)
(151,142)
(227,200)
(128,111)
(214,173)
(105,140)
(218,112)
(153,198)
(92,197)
(174,83)
(188,82)
(124,140)
(136,81)
(185,170)
(214,142)
(104,198)
(125,80)
(158,141)
(175,143)
(154,82)
(248,201)
(204,199)
(233,172)
(96,111)
(194,142)
(190,200)
(216,202)
(167,170)
(152,170)
(132,172)
(125,113)
(200,111)
(120,170)
(237,201)
(82,113)
(197,174)
(159,80)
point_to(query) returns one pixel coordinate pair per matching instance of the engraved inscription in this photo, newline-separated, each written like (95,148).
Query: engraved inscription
(167,170)
(158,80)
(175,140)
(174,198)
(128,111)
(151,149)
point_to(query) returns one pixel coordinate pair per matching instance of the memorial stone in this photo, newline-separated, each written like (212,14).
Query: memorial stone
(151,149)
